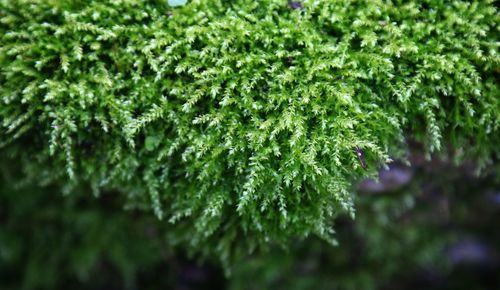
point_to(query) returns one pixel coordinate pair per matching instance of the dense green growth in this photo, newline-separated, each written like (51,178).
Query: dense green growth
(240,118)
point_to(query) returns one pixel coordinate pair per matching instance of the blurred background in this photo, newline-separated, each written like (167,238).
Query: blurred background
(429,226)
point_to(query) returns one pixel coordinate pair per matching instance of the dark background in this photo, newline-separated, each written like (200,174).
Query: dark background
(431,225)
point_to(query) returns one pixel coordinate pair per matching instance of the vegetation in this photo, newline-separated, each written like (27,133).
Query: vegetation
(438,232)
(240,122)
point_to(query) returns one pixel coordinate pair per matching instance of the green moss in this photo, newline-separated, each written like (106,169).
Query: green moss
(241,118)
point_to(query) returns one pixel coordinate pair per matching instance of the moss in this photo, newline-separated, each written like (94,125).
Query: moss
(242,118)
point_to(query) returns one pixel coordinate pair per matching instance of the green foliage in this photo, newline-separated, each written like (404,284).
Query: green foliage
(240,118)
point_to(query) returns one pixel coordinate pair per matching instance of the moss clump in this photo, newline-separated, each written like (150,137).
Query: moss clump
(241,118)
